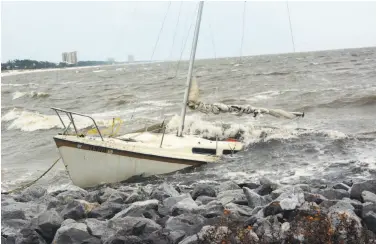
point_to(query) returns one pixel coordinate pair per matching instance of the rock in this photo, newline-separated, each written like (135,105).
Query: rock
(238,210)
(164,191)
(204,200)
(96,227)
(48,223)
(254,199)
(250,221)
(105,193)
(68,196)
(119,239)
(370,220)
(127,226)
(164,236)
(73,232)
(30,210)
(342,210)
(189,223)
(348,182)
(168,203)
(368,197)
(208,234)
(358,188)
(31,193)
(12,227)
(358,206)
(106,211)
(291,199)
(28,236)
(334,194)
(212,209)
(9,212)
(316,198)
(227,186)
(187,205)
(368,207)
(137,209)
(234,196)
(264,190)
(269,228)
(341,186)
(249,185)
(203,190)
(137,196)
(77,209)
(272,209)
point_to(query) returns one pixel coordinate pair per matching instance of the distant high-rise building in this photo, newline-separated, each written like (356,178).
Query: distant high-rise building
(130,58)
(69,57)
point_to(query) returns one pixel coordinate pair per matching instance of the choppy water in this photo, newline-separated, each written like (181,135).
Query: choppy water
(336,89)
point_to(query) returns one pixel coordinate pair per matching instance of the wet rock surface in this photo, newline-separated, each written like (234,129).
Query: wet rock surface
(263,212)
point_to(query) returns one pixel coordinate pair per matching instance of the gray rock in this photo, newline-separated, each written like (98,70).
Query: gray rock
(272,209)
(212,209)
(10,212)
(358,188)
(238,210)
(190,224)
(335,194)
(12,227)
(368,207)
(168,203)
(27,236)
(341,186)
(348,182)
(227,186)
(68,196)
(165,237)
(164,191)
(74,210)
(254,199)
(31,193)
(369,196)
(137,196)
(97,228)
(269,228)
(119,239)
(105,193)
(358,206)
(291,199)
(187,205)
(203,190)
(234,196)
(73,232)
(137,209)
(203,200)
(29,209)
(48,223)
(370,220)
(316,198)
(250,185)
(127,226)
(106,210)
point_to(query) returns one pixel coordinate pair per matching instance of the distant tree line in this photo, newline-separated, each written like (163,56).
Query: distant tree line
(33,64)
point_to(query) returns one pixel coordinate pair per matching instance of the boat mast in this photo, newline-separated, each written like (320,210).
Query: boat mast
(191,62)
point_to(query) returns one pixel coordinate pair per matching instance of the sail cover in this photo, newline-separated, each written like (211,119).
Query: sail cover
(217,108)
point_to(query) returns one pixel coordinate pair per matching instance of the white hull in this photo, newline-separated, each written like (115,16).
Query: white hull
(90,161)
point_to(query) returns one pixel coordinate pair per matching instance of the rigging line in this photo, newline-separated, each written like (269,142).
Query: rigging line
(243,25)
(160,31)
(176,28)
(212,37)
(185,43)
(292,36)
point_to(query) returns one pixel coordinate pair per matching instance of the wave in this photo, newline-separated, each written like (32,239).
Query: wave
(366,100)
(273,73)
(32,94)
(25,120)
(18,84)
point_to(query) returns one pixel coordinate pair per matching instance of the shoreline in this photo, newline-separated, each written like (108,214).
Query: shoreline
(249,212)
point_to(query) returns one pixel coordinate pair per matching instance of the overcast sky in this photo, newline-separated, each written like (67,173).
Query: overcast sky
(99,30)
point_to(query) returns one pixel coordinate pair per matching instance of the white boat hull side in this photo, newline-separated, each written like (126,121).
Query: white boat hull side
(89,168)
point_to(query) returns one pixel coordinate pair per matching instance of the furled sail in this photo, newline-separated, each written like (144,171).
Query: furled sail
(217,108)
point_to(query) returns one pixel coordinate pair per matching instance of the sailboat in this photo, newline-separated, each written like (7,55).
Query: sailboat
(95,160)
